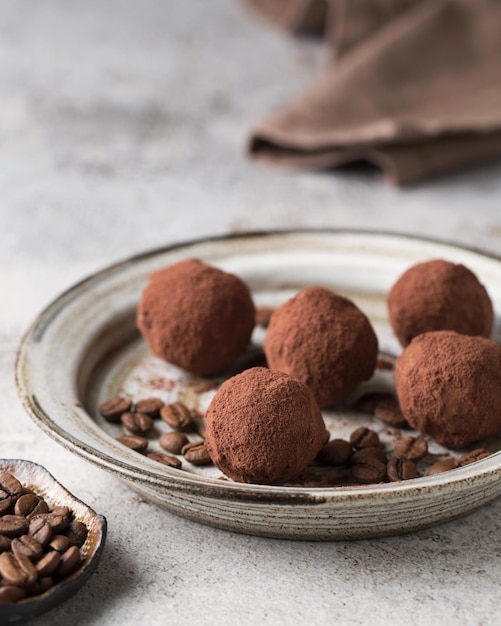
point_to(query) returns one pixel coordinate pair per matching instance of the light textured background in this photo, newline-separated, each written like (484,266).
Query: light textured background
(122,127)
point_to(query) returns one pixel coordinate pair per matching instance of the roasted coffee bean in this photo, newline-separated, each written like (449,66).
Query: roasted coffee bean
(40,529)
(364,438)
(134,442)
(30,505)
(383,363)
(27,546)
(137,423)
(165,459)
(337,452)
(401,469)
(70,560)
(263,315)
(6,502)
(10,484)
(149,406)
(11,593)
(58,519)
(360,456)
(369,401)
(173,442)
(442,466)
(59,543)
(472,457)
(48,563)
(113,409)
(196,453)
(389,412)
(368,470)
(17,569)
(176,415)
(412,448)
(5,543)
(76,533)
(13,525)
(41,585)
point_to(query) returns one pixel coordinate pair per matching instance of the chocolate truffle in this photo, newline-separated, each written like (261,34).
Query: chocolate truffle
(438,295)
(323,340)
(263,427)
(196,316)
(448,387)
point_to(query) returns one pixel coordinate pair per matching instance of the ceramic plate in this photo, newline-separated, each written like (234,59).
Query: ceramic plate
(84,349)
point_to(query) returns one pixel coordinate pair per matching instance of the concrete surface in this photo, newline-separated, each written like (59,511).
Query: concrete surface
(122,128)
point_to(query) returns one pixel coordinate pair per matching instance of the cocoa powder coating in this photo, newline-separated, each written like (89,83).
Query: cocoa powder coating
(438,295)
(196,316)
(448,387)
(263,427)
(323,340)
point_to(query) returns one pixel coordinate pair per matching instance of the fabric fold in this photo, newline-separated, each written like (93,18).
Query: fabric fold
(415,87)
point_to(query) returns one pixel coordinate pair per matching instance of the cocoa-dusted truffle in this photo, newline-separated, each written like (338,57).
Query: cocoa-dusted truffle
(448,387)
(438,295)
(196,316)
(323,340)
(263,427)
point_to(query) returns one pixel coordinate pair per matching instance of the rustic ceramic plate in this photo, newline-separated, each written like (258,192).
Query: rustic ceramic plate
(36,477)
(84,349)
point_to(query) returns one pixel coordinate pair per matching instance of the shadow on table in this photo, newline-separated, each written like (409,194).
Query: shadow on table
(113,579)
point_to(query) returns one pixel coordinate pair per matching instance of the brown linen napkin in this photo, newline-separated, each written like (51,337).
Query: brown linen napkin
(415,88)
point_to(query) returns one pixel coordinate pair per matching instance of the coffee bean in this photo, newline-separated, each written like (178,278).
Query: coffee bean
(364,438)
(113,409)
(472,457)
(412,448)
(27,546)
(149,406)
(360,456)
(263,315)
(401,469)
(17,569)
(11,593)
(4,543)
(389,412)
(40,530)
(58,519)
(6,502)
(13,525)
(134,442)
(70,560)
(10,484)
(30,503)
(173,442)
(76,533)
(48,563)
(41,585)
(368,470)
(337,452)
(384,364)
(369,401)
(165,459)
(442,466)
(176,415)
(196,453)
(137,423)
(59,543)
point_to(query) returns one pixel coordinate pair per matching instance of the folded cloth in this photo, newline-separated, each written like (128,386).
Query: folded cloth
(414,87)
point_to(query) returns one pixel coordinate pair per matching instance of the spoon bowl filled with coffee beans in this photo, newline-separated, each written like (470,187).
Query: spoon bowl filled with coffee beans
(50,542)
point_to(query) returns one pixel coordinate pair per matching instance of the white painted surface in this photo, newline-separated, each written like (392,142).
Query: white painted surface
(122,128)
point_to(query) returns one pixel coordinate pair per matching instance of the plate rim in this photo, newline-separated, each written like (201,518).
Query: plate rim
(197,484)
